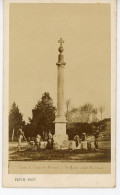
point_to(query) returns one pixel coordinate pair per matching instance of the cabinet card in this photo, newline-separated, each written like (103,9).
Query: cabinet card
(59,93)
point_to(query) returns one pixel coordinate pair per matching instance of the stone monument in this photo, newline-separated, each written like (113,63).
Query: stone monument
(60,137)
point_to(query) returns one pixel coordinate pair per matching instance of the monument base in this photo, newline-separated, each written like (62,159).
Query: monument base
(60,138)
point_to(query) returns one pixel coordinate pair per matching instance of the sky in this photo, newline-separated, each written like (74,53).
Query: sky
(34,31)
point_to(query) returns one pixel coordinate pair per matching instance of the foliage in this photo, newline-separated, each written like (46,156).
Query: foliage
(15,121)
(28,130)
(84,114)
(43,116)
(78,128)
(86,110)
(101,109)
(88,128)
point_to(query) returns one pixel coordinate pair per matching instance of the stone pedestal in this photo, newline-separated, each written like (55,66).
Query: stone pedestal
(43,145)
(92,145)
(72,145)
(84,145)
(60,142)
(60,138)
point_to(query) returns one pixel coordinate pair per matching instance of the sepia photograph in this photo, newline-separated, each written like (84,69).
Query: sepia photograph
(60,89)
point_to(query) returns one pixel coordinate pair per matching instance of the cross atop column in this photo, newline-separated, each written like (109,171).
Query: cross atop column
(61,41)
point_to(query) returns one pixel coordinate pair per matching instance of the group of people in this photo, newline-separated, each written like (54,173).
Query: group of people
(83,138)
(36,143)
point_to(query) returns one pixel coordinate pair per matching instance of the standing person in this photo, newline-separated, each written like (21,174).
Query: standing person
(83,136)
(38,141)
(20,137)
(22,133)
(96,135)
(50,141)
(77,140)
(19,141)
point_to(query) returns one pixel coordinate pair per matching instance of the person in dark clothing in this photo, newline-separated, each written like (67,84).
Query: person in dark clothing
(96,135)
(50,142)
(77,140)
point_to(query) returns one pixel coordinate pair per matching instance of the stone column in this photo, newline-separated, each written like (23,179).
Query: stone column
(60,137)
(60,91)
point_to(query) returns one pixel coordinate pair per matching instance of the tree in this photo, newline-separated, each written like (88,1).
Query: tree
(86,111)
(15,121)
(94,115)
(101,109)
(28,130)
(43,116)
(74,115)
(84,114)
(78,128)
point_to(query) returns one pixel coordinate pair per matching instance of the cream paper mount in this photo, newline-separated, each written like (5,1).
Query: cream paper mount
(59,93)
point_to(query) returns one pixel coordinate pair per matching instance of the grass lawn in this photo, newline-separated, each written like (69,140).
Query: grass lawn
(101,155)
